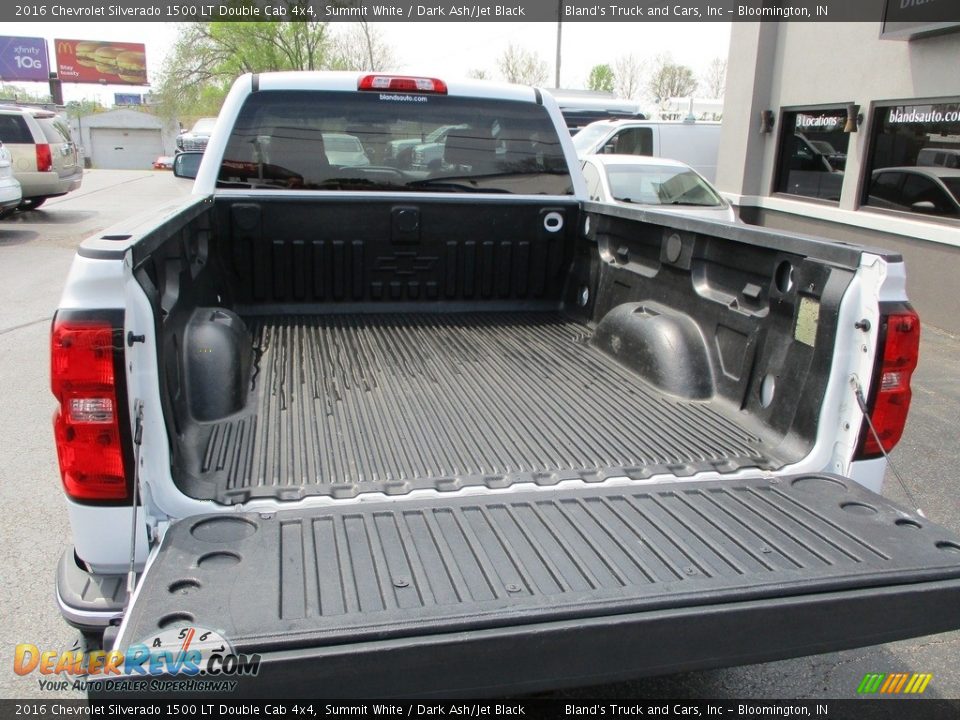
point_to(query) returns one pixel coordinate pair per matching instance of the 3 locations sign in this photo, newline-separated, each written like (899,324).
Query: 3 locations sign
(90,61)
(23,58)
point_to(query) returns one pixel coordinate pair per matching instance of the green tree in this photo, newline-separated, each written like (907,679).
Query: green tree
(207,57)
(601,78)
(15,93)
(670,79)
(82,108)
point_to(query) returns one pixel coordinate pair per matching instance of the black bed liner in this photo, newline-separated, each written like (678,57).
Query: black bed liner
(376,577)
(345,404)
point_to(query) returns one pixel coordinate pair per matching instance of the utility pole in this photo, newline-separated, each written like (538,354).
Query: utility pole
(559,37)
(56,89)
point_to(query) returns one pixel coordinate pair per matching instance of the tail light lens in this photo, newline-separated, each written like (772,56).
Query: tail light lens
(397,83)
(87,428)
(889,400)
(44,157)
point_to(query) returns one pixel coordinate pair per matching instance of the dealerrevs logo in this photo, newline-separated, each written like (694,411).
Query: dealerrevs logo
(894,683)
(188,651)
(200,659)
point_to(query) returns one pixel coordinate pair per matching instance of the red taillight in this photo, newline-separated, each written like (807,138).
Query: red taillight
(87,424)
(397,83)
(890,400)
(44,157)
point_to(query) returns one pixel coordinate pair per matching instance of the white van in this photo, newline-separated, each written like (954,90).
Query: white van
(694,143)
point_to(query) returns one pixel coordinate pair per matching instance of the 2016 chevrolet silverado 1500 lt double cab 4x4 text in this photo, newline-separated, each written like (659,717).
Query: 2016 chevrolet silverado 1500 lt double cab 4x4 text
(457,430)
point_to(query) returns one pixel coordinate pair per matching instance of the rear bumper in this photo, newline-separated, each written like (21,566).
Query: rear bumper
(10,193)
(589,651)
(86,600)
(48,184)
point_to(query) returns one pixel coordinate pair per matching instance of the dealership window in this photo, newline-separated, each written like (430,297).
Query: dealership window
(812,153)
(914,164)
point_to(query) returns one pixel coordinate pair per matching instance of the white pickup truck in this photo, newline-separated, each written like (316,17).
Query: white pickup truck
(456,430)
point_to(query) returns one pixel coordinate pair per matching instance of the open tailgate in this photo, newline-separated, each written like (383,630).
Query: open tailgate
(518,591)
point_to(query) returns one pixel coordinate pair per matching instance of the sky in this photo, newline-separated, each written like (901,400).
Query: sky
(441,49)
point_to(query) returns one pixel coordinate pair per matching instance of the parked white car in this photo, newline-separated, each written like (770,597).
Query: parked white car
(659,183)
(10,194)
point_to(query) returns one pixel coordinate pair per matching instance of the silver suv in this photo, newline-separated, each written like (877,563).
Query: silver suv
(45,158)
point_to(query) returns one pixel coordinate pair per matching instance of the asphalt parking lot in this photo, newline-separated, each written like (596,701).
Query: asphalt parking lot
(35,253)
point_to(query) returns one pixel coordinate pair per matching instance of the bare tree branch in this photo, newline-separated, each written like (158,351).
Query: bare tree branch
(714,79)
(628,71)
(522,66)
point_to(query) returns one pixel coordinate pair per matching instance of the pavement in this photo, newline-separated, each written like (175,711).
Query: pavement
(36,249)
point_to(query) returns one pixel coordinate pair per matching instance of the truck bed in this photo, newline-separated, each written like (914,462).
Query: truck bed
(345,404)
(317,348)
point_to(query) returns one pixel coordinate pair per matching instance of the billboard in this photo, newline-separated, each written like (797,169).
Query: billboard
(23,58)
(127,99)
(90,61)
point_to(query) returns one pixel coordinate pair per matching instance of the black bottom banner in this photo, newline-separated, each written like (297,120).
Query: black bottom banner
(865,709)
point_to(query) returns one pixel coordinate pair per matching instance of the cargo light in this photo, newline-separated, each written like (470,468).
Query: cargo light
(86,425)
(889,402)
(402,83)
(44,157)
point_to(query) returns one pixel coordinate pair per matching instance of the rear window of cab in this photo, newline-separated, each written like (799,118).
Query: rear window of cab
(298,140)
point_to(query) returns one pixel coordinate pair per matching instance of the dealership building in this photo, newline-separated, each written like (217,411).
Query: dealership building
(851,131)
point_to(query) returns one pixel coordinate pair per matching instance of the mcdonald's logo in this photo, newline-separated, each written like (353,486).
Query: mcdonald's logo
(894,683)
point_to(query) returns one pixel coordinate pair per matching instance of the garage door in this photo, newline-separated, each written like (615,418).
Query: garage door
(124,149)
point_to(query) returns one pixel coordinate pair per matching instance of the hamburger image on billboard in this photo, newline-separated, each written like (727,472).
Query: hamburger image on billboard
(132,67)
(85,51)
(100,62)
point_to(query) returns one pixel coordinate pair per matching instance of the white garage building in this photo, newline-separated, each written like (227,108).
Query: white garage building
(123,139)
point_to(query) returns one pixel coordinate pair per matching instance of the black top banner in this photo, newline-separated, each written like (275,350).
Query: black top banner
(882,11)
